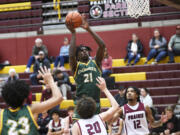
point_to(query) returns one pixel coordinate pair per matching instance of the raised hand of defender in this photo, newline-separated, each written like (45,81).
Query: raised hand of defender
(85,24)
(70,27)
(101,83)
(46,75)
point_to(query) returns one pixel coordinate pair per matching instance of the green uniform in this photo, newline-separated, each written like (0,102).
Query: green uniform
(18,122)
(85,78)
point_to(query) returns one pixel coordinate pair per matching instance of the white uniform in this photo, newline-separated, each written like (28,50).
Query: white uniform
(92,126)
(115,126)
(135,119)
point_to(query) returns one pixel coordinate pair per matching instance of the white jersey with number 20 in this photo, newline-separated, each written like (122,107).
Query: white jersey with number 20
(92,126)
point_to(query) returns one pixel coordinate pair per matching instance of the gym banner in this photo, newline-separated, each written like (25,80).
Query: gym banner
(107,8)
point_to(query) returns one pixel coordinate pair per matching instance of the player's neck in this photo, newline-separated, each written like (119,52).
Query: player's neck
(132,103)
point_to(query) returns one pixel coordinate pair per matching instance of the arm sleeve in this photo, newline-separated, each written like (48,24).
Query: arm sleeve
(163,43)
(140,49)
(50,125)
(171,42)
(45,50)
(33,50)
(150,44)
(129,47)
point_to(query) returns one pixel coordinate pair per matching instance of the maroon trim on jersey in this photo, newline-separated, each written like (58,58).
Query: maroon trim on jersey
(126,128)
(53,124)
(117,122)
(102,121)
(70,120)
(127,109)
(79,127)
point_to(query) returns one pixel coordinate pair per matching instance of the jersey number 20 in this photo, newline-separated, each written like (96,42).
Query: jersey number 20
(93,128)
(23,122)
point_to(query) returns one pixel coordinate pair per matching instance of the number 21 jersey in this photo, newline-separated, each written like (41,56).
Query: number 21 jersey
(92,126)
(85,77)
(135,119)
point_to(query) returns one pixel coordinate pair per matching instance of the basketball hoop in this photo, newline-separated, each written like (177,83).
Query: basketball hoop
(137,8)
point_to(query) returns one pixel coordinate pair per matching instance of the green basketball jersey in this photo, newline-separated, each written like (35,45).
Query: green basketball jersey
(85,78)
(18,122)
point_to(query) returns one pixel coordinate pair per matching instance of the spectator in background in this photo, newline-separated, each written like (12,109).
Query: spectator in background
(68,122)
(106,64)
(174,45)
(12,75)
(63,55)
(134,50)
(35,52)
(55,125)
(63,82)
(43,121)
(171,125)
(145,98)
(46,94)
(158,46)
(120,97)
(40,62)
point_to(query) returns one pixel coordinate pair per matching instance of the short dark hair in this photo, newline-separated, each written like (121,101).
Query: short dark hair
(136,90)
(70,108)
(86,107)
(55,111)
(78,49)
(121,88)
(14,93)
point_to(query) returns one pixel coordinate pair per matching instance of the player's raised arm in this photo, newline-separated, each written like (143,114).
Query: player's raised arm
(72,48)
(97,38)
(56,94)
(110,112)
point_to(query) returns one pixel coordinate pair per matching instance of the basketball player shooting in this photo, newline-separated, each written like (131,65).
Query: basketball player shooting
(84,69)
(90,123)
(136,114)
(20,119)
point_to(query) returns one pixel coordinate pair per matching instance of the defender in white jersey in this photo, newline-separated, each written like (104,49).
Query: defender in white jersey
(116,127)
(91,124)
(136,115)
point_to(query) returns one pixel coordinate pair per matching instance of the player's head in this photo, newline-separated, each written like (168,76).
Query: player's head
(14,93)
(86,107)
(132,94)
(55,114)
(70,111)
(178,30)
(83,53)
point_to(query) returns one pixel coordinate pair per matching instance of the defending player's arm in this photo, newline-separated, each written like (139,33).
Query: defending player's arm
(110,128)
(56,94)
(105,116)
(120,127)
(99,41)
(152,122)
(72,49)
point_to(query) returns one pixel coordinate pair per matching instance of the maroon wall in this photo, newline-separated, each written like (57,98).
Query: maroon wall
(18,50)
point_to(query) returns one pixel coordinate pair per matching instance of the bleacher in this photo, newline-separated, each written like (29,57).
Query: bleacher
(31,15)
(162,80)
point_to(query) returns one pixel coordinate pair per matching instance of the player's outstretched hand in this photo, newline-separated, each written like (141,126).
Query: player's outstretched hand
(70,27)
(101,83)
(85,24)
(46,75)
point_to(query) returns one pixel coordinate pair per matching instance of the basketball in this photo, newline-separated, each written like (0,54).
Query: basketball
(74,18)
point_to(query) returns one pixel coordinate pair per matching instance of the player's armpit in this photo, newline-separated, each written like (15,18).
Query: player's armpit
(152,122)
(75,129)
